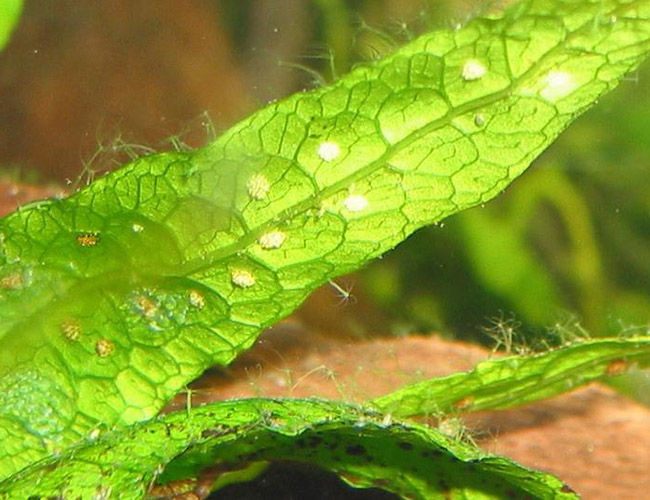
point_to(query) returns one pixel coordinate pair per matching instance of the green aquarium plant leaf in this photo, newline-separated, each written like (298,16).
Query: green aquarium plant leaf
(9,15)
(165,454)
(113,299)
(518,380)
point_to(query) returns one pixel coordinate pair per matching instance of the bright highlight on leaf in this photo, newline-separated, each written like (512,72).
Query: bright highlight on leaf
(329,151)
(355,202)
(557,84)
(443,124)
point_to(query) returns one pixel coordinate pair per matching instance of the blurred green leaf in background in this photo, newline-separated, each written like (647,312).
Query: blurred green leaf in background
(9,13)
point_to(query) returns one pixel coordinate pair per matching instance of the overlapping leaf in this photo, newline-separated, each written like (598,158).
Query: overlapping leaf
(514,381)
(113,299)
(411,460)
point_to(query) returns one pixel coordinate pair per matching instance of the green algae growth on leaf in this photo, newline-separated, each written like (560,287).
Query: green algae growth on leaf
(113,299)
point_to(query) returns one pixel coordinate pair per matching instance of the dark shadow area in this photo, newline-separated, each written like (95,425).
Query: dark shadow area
(293,481)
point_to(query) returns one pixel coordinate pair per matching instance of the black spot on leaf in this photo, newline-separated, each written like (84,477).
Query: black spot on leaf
(355,450)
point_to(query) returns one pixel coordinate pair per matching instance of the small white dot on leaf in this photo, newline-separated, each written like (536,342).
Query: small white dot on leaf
(328,151)
(272,239)
(473,70)
(137,228)
(557,84)
(258,187)
(242,278)
(355,202)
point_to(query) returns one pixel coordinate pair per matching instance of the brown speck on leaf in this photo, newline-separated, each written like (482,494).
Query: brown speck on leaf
(88,239)
(616,367)
(463,403)
(196,299)
(11,281)
(104,348)
(146,306)
(71,329)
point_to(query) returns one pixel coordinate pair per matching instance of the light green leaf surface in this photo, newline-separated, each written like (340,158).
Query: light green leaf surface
(514,381)
(9,15)
(409,459)
(113,299)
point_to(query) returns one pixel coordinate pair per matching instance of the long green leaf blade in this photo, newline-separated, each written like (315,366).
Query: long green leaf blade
(113,299)
(409,459)
(514,381)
